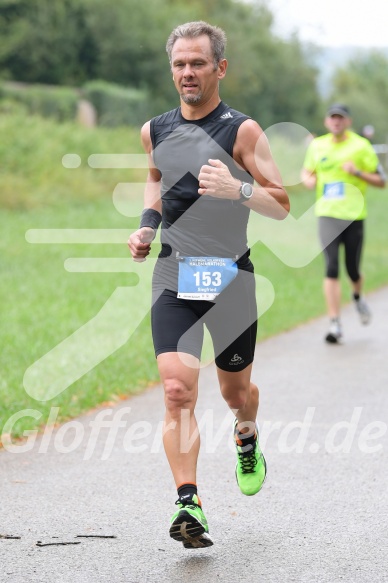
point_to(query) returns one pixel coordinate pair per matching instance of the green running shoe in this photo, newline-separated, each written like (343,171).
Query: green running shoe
(251,468)
(189,524)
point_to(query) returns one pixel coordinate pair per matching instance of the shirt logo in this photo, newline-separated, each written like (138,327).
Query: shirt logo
(226,115)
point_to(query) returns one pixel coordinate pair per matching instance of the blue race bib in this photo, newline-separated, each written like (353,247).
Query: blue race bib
(203,278)
(334,190)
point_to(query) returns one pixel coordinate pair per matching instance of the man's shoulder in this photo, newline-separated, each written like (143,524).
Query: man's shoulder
(319,140)
(319,144)
(231,116)
(166,118)
(359,140)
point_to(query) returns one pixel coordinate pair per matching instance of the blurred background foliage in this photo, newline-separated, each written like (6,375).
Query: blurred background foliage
(71,43)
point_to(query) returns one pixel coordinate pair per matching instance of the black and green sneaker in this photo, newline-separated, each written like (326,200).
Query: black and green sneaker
(251,468)
(189,524)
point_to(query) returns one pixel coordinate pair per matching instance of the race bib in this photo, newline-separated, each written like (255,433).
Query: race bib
(203,278)
(334,190)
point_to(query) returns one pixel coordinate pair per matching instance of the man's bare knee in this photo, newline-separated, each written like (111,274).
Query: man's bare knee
(239,397)
(178,396)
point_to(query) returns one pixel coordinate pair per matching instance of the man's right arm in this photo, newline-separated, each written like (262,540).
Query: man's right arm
(139,242)
(152,198)
(309,178)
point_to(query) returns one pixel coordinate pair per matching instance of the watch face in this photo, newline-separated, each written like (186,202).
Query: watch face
(246,190)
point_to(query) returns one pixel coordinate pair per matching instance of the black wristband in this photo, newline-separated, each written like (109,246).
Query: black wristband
(150,218)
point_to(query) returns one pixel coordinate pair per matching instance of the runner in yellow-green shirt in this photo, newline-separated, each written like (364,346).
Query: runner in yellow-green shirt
(340,165)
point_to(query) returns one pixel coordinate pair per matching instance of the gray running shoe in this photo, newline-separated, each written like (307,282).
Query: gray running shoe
(334,336)
(363,311)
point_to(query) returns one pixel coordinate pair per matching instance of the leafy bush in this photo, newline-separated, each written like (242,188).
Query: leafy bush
(117,105)
(59,103)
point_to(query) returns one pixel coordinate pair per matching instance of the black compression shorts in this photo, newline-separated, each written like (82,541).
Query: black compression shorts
(178,324)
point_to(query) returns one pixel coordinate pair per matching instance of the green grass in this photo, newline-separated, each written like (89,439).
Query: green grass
(43,304)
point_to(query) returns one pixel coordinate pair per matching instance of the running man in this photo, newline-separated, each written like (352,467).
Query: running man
(203,160)
(340,165)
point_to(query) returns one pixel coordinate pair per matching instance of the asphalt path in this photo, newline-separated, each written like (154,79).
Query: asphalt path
(90,501)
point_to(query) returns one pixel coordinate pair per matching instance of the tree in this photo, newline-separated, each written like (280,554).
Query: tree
(71,41)
(363,85)
(270,79)
(46,41)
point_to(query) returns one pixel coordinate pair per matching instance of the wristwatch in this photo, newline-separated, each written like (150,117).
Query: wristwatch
(246,191)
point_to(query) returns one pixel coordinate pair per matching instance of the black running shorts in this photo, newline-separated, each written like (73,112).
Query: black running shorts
(178,324)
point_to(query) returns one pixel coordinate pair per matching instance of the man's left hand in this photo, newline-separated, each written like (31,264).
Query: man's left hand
(349,167)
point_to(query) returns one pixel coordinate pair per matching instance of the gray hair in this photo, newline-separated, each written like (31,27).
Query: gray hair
(194,29)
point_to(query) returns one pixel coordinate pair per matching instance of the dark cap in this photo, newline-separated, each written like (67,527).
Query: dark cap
(338,109)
